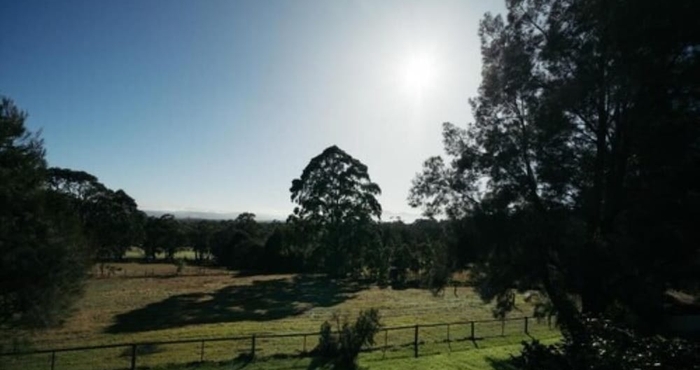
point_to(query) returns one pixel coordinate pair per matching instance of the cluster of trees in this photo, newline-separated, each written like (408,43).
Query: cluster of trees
(579,170)
(400,253)
(334,229)
(43,252)
(110,220)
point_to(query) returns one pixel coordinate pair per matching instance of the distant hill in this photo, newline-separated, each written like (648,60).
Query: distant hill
(387,216)
(212,215)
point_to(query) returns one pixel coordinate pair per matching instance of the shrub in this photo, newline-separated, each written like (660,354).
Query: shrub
(327,343)
(344,347)
(537,356)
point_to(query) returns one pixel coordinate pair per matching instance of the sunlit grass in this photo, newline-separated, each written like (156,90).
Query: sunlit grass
(107,298)
(494,354)
(136,310)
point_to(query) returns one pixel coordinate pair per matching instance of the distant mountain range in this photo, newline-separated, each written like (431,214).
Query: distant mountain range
(204,215)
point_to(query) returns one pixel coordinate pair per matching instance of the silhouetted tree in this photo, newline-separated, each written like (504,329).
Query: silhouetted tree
(199,235)
(114,223)
(163,235)
(246,222)
(42,256)
(337,207)
(576,170)
(279,253)
(235,248)
(79,186)
(110,219)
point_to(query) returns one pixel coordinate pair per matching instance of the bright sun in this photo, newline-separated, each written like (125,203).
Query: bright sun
(418,73)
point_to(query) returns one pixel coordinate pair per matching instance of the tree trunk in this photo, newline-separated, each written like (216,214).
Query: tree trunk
(568,315)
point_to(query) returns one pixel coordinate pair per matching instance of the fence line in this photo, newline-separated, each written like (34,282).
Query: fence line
(256,342)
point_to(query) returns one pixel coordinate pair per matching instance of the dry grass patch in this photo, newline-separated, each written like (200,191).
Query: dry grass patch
(141,270)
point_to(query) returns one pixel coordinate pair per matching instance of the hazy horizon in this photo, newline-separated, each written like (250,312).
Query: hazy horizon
(216,106)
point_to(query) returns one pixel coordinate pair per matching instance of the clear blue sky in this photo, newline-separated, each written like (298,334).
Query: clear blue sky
(217,105)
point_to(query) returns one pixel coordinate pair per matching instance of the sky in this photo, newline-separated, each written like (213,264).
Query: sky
(216,106)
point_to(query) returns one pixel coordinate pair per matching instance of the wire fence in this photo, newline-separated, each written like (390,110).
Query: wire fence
(399,341)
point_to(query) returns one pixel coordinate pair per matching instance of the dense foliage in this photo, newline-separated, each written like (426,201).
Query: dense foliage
(110,220)
(337,209)
(610,347)
(163,234)
(582,150)
(43,258)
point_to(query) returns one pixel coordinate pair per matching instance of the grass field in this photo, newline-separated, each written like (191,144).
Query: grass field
(495,355)
(485,354)
(160,308)
(143,269)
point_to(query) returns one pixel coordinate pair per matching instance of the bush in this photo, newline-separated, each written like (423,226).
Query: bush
(610,347)
(327,343)
(537,356)
(344,347)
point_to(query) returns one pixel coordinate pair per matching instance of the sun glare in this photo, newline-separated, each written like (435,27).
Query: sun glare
(418,73)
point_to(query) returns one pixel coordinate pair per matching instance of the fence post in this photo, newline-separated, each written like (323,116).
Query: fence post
(252,347)
(526,325)
(472,325)
(53,359)
(133,357)
(386,337)
(415,342)
(503,327)
(201,352)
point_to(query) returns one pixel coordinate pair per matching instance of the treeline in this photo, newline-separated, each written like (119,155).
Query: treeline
(341,240)
(417,252)
(110,223)
(335,229)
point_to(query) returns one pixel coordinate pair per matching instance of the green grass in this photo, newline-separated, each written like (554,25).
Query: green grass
(128,310)
(492,354)
(124,310)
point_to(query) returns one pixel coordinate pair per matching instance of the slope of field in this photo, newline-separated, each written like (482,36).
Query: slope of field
(118,310)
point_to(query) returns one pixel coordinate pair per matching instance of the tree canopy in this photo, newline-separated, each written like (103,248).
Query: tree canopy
(110,219)
(42,255)
(337,205)
(584,139)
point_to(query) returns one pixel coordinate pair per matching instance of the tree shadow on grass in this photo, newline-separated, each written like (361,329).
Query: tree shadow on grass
(261,301)
(501,363)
